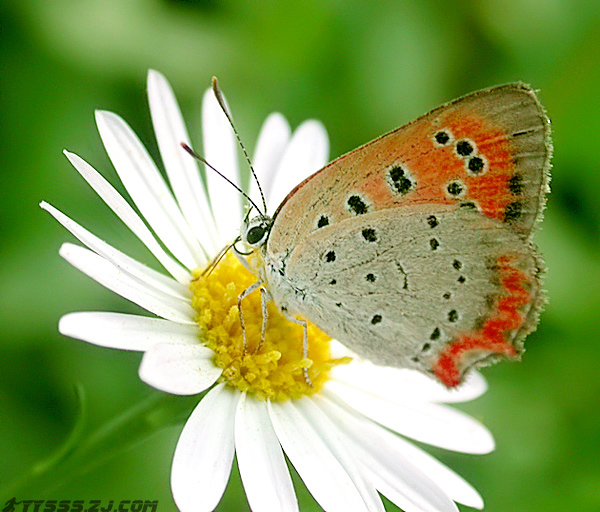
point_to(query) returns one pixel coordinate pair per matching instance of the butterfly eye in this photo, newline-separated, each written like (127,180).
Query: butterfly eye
(256,233)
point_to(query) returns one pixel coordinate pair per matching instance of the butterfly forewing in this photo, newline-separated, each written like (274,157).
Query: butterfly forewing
(487,151)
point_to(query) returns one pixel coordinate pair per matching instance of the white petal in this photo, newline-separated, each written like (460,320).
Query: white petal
(126,213)
(338,444)
(306,153)
(389,470)
(473,386)
(148,189)
(430,423)
(204,453)
(262,466)
(182,168)
(324,476)
(272,141)
(403,454)
(220,151)
(179,369)
(149,276)
(126,332)
(387,382)
(132,289)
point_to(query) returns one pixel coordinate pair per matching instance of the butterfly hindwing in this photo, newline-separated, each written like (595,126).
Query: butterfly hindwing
(400,287)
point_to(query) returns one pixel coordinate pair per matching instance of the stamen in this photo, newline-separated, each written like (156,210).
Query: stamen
(272,365)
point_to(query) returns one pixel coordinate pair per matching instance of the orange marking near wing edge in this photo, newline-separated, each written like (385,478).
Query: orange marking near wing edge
(491,338)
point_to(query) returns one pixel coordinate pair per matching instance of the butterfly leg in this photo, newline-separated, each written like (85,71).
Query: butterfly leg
(265,315)
(253,287)
(304,325)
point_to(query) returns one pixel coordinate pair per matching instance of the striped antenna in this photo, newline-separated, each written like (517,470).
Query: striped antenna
(203,160)
(221,101)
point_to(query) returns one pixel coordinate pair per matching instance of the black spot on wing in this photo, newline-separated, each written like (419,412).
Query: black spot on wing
(455,188)
(476,165)
(524,132)
(464,148)
(323,221)
(468,205)
(399,180)
(369,235)
(442,137)
(357,205)
(515,184)
(513,211)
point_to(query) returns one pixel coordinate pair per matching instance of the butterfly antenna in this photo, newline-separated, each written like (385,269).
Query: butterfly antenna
(221,101)
(203,160)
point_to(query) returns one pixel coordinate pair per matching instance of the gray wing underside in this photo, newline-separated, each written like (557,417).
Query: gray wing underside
(397,286)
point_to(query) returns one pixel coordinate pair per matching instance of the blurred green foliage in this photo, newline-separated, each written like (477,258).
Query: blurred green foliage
(363,68)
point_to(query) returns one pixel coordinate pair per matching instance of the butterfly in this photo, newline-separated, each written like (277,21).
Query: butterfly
(415,250)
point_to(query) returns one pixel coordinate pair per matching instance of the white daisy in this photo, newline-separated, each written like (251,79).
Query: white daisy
(341,433)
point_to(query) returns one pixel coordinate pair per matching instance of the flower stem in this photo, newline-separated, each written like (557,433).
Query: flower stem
(81,452)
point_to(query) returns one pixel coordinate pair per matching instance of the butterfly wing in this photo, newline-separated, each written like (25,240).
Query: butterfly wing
(437,289)
(414,250)
(488,151)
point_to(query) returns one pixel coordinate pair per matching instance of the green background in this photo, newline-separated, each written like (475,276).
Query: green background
(362,68)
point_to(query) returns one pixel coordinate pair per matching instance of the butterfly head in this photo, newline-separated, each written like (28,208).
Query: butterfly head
(255,231)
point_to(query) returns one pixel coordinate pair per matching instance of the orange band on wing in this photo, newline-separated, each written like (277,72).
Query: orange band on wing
(492,337)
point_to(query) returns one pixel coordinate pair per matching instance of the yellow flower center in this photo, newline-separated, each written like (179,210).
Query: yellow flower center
(274,369)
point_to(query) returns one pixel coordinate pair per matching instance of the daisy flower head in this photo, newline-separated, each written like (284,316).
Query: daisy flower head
(341,421)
